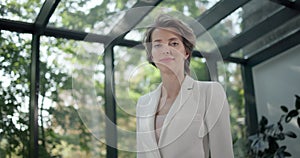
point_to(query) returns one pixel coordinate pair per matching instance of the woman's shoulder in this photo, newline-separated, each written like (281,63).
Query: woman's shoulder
(146,98)
(210,89)
(209,85)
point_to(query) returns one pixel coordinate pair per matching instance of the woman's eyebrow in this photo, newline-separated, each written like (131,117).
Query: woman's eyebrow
(170,39)
(173,39)
(157,40)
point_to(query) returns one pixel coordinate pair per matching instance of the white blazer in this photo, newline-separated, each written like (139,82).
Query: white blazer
(196,126)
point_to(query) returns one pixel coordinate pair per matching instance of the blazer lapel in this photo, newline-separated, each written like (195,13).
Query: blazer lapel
(147,117)
(183,95)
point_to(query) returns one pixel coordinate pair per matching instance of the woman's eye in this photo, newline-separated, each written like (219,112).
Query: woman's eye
(173,44)
(157,45)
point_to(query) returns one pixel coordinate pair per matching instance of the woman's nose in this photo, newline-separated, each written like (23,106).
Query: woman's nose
(165,49)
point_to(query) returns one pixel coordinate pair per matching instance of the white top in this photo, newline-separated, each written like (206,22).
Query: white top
(159,120)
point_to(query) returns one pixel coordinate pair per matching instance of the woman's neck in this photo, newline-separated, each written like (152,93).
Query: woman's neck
(171,84)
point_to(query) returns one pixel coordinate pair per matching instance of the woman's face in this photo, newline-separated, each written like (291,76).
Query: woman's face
(168,51)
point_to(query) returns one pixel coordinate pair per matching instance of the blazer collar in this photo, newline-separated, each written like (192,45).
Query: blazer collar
(183,95)
(186,87)
(149,110)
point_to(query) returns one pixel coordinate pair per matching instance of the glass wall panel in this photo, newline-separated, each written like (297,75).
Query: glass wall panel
(276,85)
(134,77)
(231,79)
(71,99)
(14,93)
(199,70)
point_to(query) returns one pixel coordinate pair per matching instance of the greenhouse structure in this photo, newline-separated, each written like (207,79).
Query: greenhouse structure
(71,73)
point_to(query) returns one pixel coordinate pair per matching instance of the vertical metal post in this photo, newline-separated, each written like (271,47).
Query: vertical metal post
(250,104)
(208,77)
(110,104)
(34,93)
(212,68)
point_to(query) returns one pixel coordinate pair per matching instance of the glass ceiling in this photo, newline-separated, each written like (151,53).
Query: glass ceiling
(101,17)
(189,8)
(224,30)
(88,15)
(252,19)
(182,10)
(282,31)
(20,10)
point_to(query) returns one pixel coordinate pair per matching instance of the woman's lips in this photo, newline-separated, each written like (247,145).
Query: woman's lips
(168,59)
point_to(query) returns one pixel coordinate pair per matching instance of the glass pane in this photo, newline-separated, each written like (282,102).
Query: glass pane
(136,34)
(71,99)
(89,15)
(198,68)
(224,30)
(267,39)
(134,77)
(20,10)
(14,93)
(253,13)
(231,79)
(191,9)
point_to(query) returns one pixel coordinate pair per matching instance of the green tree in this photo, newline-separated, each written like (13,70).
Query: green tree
(15,83)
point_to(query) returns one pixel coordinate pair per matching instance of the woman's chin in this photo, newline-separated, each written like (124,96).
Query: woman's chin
(167,69)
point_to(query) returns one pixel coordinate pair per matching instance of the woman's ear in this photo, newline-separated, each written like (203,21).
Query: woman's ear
(151,58)
(186,55)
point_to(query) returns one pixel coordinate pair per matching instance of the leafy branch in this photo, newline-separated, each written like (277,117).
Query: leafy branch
(264,144)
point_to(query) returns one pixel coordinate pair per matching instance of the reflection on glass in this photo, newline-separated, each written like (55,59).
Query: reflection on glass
(71,98)
(134,76)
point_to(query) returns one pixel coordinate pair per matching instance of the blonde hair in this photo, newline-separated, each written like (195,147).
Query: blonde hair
(186,33)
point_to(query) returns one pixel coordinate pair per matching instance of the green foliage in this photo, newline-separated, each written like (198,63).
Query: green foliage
(230,77)
(265,141)
(14,70)
(199,70)
(83,15)
(70,133)
(20,10)
(189,8)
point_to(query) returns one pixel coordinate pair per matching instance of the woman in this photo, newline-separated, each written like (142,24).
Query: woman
(182,117)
